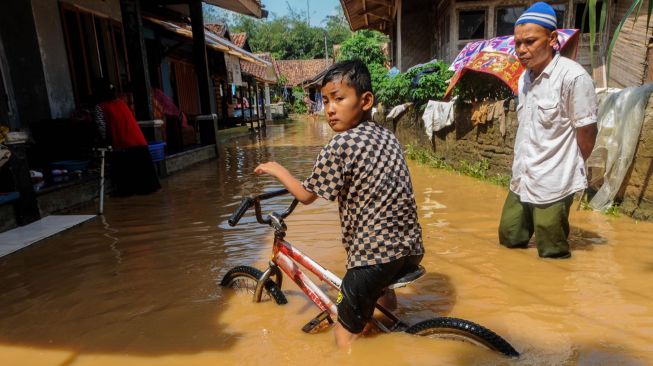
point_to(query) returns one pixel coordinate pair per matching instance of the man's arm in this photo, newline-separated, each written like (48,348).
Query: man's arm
(586,137)
(291,183)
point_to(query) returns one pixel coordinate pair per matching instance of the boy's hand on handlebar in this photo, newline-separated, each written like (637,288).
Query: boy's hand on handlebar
(272,168)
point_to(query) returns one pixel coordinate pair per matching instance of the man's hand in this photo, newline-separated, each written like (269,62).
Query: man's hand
(272,168)
(586,137)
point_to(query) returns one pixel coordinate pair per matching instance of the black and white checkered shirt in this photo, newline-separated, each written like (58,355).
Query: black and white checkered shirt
(364,168)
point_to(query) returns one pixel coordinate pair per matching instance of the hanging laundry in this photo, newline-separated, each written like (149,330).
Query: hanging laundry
(500,116)
(396,111)
(479,113)
(437,116)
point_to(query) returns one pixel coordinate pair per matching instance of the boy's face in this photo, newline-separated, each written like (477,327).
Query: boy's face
(343,107)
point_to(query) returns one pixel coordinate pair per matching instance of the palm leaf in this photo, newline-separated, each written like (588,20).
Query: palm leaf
(636,4)
(591,4)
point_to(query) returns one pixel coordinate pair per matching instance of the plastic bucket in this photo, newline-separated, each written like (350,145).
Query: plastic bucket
(157,150)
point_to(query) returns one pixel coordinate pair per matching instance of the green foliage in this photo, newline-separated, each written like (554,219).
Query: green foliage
(298,106)
(475,170)
(398,89)
(613,210)
(478,170)
(590,14)
(290,37)
(478,86)
(364,45)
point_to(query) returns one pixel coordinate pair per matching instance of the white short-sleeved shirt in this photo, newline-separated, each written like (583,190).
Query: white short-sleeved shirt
(548,164)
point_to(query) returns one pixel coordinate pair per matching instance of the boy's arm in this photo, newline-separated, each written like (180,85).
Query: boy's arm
(293,185)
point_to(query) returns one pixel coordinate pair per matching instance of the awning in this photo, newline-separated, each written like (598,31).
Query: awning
(212,40)
(245,7)
(365,14)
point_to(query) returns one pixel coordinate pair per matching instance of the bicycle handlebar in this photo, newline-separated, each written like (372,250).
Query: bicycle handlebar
(255,201)
(245,204)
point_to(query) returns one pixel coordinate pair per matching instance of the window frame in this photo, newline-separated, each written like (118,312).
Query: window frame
(92,41)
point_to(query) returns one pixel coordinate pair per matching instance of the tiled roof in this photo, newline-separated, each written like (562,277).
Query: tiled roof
(297,71)
(259,71)
(217,28)
(239,39)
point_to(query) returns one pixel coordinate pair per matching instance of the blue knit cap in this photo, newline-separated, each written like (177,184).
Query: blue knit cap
(539,13)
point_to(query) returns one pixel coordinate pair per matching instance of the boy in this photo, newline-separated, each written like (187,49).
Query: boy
(364,168)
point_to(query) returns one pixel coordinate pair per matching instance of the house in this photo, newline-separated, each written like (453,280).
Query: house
(421,30)
(52,50)
(302,73)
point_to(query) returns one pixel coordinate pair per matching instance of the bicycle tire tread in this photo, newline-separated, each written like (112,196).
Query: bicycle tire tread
(469,330)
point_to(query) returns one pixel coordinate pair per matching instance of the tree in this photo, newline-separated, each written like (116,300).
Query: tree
(364,45)
(336,27)
(290,36)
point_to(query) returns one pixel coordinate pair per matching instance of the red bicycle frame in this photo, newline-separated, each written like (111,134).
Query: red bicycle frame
(285,253)
(286,257)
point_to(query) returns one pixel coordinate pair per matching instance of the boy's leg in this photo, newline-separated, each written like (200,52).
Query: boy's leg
(516,225)
(360,289)
(552,228)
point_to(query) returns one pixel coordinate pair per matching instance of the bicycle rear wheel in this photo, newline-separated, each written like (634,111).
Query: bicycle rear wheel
(243,279)
(462,330)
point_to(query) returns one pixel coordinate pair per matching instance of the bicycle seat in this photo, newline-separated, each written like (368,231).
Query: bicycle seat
(408,277)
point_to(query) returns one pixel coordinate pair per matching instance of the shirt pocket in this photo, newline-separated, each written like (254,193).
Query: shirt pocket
(547,112)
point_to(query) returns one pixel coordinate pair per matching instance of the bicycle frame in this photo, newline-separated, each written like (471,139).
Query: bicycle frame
(286,257)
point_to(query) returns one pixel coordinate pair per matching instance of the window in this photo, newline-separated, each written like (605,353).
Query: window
(506,18)
(580,8)
(96,48)
(471,24)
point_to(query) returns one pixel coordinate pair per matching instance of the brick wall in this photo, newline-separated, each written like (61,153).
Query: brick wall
(464,141)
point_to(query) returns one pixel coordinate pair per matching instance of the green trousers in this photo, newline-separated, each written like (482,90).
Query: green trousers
(549,222)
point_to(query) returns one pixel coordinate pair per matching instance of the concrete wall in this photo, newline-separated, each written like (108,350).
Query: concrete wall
(58,82)
(465,142)
(25,67)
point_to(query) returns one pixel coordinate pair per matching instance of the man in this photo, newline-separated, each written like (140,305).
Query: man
(557,128)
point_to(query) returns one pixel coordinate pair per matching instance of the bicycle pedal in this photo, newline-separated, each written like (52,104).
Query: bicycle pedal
(317,324)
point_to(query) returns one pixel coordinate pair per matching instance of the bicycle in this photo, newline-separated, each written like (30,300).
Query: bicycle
(287,259)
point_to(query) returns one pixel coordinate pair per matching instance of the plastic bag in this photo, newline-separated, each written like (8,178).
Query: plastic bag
(619,123)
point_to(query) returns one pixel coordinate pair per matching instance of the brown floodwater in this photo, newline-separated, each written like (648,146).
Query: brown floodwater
(140,286)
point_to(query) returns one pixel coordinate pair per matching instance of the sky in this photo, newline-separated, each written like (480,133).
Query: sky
(318,9)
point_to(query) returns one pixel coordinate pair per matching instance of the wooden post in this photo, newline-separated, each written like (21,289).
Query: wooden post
(258,107)
(268,107)
(138,68)
(251,107)
(242,105)
(199,55)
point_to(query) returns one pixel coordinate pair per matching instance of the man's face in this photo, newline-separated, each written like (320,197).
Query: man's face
(534,45)
(343,107)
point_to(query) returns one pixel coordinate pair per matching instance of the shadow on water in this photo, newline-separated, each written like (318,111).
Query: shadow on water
(144,279)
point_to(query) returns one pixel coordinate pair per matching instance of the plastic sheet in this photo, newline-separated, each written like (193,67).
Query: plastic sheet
(619,123)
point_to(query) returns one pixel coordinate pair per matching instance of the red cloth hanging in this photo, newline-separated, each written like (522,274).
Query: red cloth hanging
(122,125)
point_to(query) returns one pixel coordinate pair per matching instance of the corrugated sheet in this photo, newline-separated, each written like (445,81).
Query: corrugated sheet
(187,88)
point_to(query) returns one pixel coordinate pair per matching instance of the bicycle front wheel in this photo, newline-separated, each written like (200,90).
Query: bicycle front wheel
(463,330)
(243,279)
